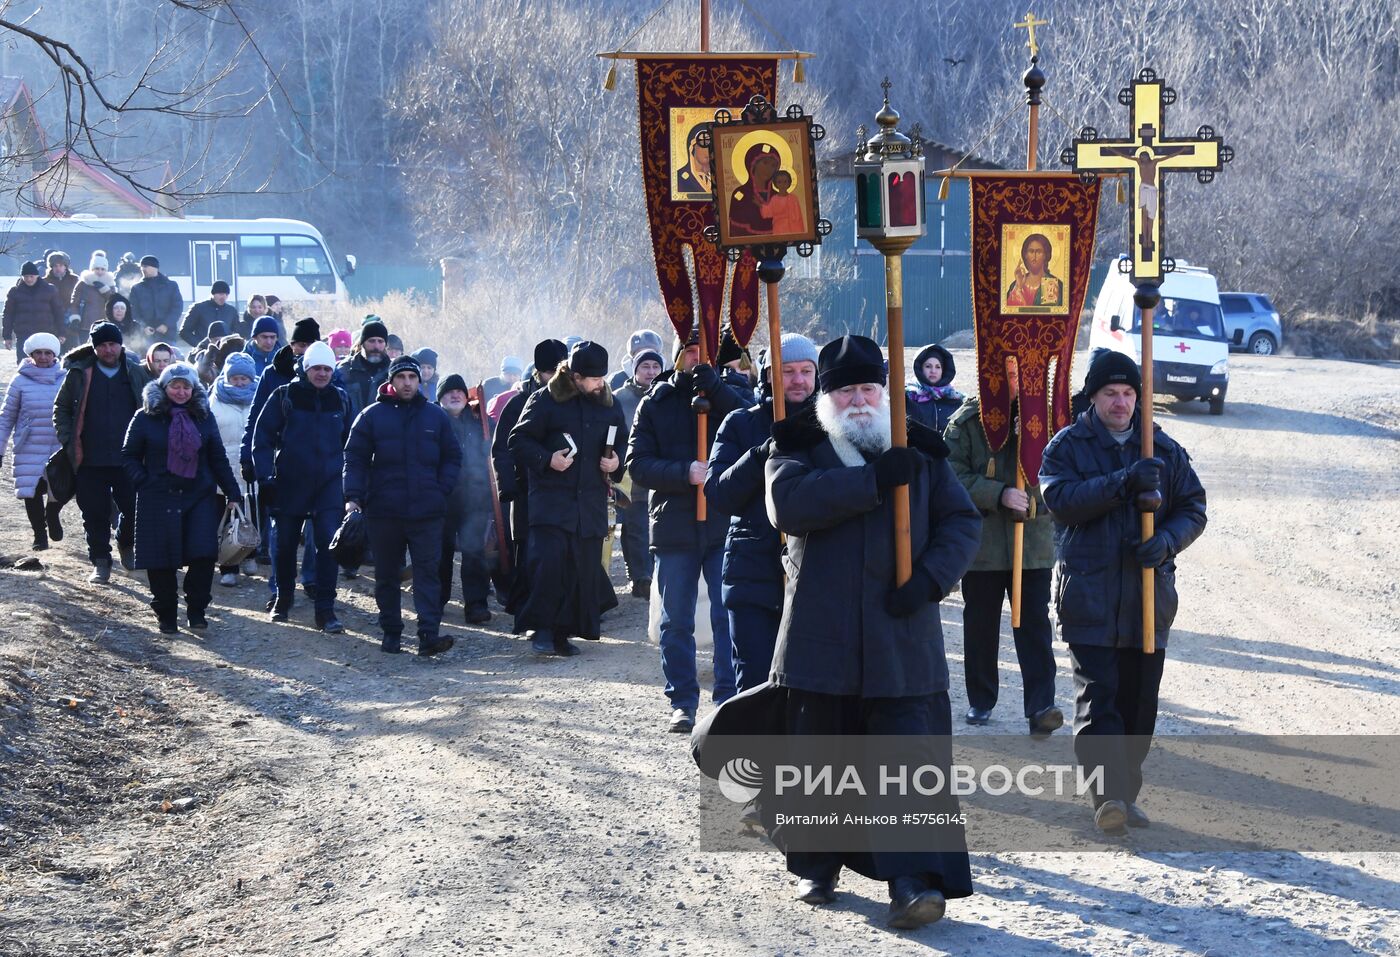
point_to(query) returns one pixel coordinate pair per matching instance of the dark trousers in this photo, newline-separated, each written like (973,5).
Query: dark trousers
(565,598)
(636,540)
(98,486)
(984,594)
(287,529)
(476,575)
(37,510)
(199,577)
(1115,714)
(809,712)
(310,568)
(388,537)
(753,630)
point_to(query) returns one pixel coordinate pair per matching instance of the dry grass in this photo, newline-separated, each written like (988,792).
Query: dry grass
(1332,337)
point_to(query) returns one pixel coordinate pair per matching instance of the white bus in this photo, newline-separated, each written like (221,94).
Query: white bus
(282,257)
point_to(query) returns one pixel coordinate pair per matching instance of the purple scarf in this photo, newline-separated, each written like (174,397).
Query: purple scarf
(182,455)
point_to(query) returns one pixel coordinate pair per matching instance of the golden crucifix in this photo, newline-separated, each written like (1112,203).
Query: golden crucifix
(1029,25)
(1144,157)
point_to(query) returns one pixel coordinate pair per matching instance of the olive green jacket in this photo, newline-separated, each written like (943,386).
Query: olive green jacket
(985,476)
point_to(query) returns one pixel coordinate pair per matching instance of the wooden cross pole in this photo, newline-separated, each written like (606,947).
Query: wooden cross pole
(1035,81)
(1145,155)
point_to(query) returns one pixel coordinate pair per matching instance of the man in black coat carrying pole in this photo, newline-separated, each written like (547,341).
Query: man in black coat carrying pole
(1096,484)
(570,440)
(858,654)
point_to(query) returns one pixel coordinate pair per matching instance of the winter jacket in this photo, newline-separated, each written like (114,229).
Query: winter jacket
(933,403)
(31,309)
(261,360)
(986,476)
(575,499)
(89,299)
(177,519)
(469,508)
(401,460)
(298,446)
(285,367)
(79,368)
(494,386)
(156,302)
(753,568)
(740,383)
(511,481)
(1098,579)
(361,380)
(232,420)
(629,396)
(194,328)
(836,636)
(65,286)
(662,448)
(27,414)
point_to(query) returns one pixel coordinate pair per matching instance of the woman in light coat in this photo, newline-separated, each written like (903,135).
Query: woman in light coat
(27,415)
(231,399)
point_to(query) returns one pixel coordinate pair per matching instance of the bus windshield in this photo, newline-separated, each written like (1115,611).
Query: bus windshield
(1185,318)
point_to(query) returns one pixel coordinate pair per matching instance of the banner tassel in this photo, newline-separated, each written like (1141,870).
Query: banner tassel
(610,81)
(1122,193)
(943,189)
(799,72)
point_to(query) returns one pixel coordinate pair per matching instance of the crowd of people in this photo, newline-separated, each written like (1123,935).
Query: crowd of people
(516,488)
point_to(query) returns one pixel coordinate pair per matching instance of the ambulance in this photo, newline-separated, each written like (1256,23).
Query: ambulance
(1189,347)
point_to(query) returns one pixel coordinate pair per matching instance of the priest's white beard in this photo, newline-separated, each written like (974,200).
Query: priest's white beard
(855,429)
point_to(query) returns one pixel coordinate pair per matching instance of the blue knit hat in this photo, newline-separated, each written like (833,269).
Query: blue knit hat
(239,363)
(266,324)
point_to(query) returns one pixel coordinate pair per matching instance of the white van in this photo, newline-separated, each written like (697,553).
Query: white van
(1189,349)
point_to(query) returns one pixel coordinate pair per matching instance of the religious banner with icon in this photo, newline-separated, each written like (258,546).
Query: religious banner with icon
(1032,247)
(765,184)
(677,96)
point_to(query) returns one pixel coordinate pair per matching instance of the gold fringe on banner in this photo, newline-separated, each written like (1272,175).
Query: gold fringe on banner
(799,72)
(610,81)
(1122,193)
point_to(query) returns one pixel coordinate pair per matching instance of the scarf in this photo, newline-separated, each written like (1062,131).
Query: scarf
(182,454)
(235,396)
(931,393)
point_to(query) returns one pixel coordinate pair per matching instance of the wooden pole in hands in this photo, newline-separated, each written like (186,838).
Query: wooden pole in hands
(899,431)
(1147,297)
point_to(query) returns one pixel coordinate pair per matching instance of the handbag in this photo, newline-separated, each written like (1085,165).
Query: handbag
(238,536)
(348,544)
(60,477)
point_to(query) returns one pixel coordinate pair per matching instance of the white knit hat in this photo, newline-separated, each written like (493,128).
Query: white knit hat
(98,260)
(318,354)
(42,340)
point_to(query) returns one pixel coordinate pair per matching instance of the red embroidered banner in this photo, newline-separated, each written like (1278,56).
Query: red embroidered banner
(677,96)
(1032,248)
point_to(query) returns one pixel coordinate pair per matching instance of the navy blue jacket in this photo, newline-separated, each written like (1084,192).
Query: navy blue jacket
(402,460)
(177,519)
(659,455)
(299,447)
(157,302)
(753,567)
(1098,581)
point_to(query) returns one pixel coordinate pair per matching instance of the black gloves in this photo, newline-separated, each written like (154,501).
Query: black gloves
(895,467)
(914,594)
(249,476)
(705,377)
(1144,475)
(1156,550)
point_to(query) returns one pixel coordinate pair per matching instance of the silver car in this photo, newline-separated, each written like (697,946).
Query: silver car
(1251,323)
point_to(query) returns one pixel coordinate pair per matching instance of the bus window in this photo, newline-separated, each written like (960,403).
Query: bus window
(303,256)
(257,255)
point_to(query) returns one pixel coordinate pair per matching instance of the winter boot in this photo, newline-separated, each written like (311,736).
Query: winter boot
(165,614)
(51,512)
(101,571)
(34,510)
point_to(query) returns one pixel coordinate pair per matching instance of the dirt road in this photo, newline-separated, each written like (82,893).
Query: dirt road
(269,790)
